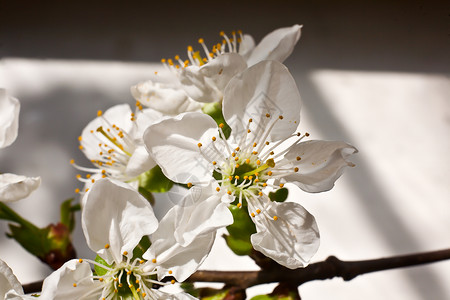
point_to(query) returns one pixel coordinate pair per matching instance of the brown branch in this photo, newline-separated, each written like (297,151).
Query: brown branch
(330,268)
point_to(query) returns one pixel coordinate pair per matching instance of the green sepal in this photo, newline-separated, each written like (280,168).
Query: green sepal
(32,238)
(140,249)
(68,213)
(214,110)
(154,181)
(240,231)
(279,195)
(99,271)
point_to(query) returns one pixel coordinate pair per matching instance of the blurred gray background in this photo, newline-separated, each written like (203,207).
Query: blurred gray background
(372,73)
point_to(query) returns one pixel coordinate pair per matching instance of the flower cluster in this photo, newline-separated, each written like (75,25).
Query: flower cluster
(222,125)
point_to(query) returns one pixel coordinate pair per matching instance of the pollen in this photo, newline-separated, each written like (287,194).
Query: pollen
(236,177)
(247,160)
(218,189)
(214,162)
(267,115)
(154,260)
(275,218)
(170,272)
(281,185)
(99,113)
(107,246)
(239,205)
(269,173)
(296,170)
(237,149)
(201,41)
(172,281)
(125,253)
(130,286)
(80,260)
(74,285)
(77,191)
(236,158)
(307,134)
(199,145)
(260,193)
(250,120)
(190,49)
(189,184)
(281,117)
(233,154)
(237,165)
(254,145)
(163,60)
(80,147)
(177,57)
(248,131)
(252,214)
(258,211)
(213,138)
(298,158)
(267,143)
(221,125)
(258,162)
(80,138)
(101,279)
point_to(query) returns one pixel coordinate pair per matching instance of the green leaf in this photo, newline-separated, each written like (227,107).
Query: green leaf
(239,247)
(263,297)
(214,110)
(240,231)
(68,214)
(154,181)
(140,249)
(99,270)
(189,287)
(33,239)
(279,195)
(219,296)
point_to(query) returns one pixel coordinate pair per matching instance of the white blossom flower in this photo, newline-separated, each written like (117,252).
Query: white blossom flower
(10,288)
(114,220)
(15,187)
(262,107)
(12,187)
(204,78)
(113,143)
(9,118)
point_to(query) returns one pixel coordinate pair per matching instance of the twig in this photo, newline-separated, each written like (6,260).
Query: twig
(330,268)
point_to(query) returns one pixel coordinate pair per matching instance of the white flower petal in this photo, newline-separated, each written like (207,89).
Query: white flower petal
(8,282)
(320,165)
(265,88)
(200,212)
(144,119)
(139,162)
(160,295)
(246,46)
(277,45)
(15,187)
(170,255)
(60,284)
(173,143)
(206,83)
(115,214)
(9,119)
(292,239)
(164,97)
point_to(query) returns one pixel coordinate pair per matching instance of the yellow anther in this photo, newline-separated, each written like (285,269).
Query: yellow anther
(230,177)
(280,117)
(272,153)
(222,33)
(177,57)
(239,205)
(237,166)
(190,49)
(256,180)
(268,115)
(267,143)
(221,125)
(74,285)
(170,272)
(254,145)
(270,162)
(258,162)
(78,176)
(129,273)
(88,176)
(233,32)
(172,281)
(214,162)
(236,177)
(199,145)
(201,41)
(256,174)
(92,180)
(116,279)
(103,171)
(80,147)
(80,138)
(218,189)
(120,285)
(116,291)
(103,176)
(264,184)
(255,152)
(250,177)
(269,173)
(125,253)
(77,191)
(298,158)
(247,160)
(156,72)
(144,294)
(295,169)
(275,218)
(101,279)
(233,154)
(307,134)
(137,281)
(189,184)
(252,214)
(130,285)
(258,211)
(92,131)
(154,260)
(248,131)
(281,185)
(86,190)
(99,113)
(260,194)
(142,261)
(237,149)
(177,66)
(250,120)
(236,158)
(211,54)
(80,260)
(163,60)
(245,177)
